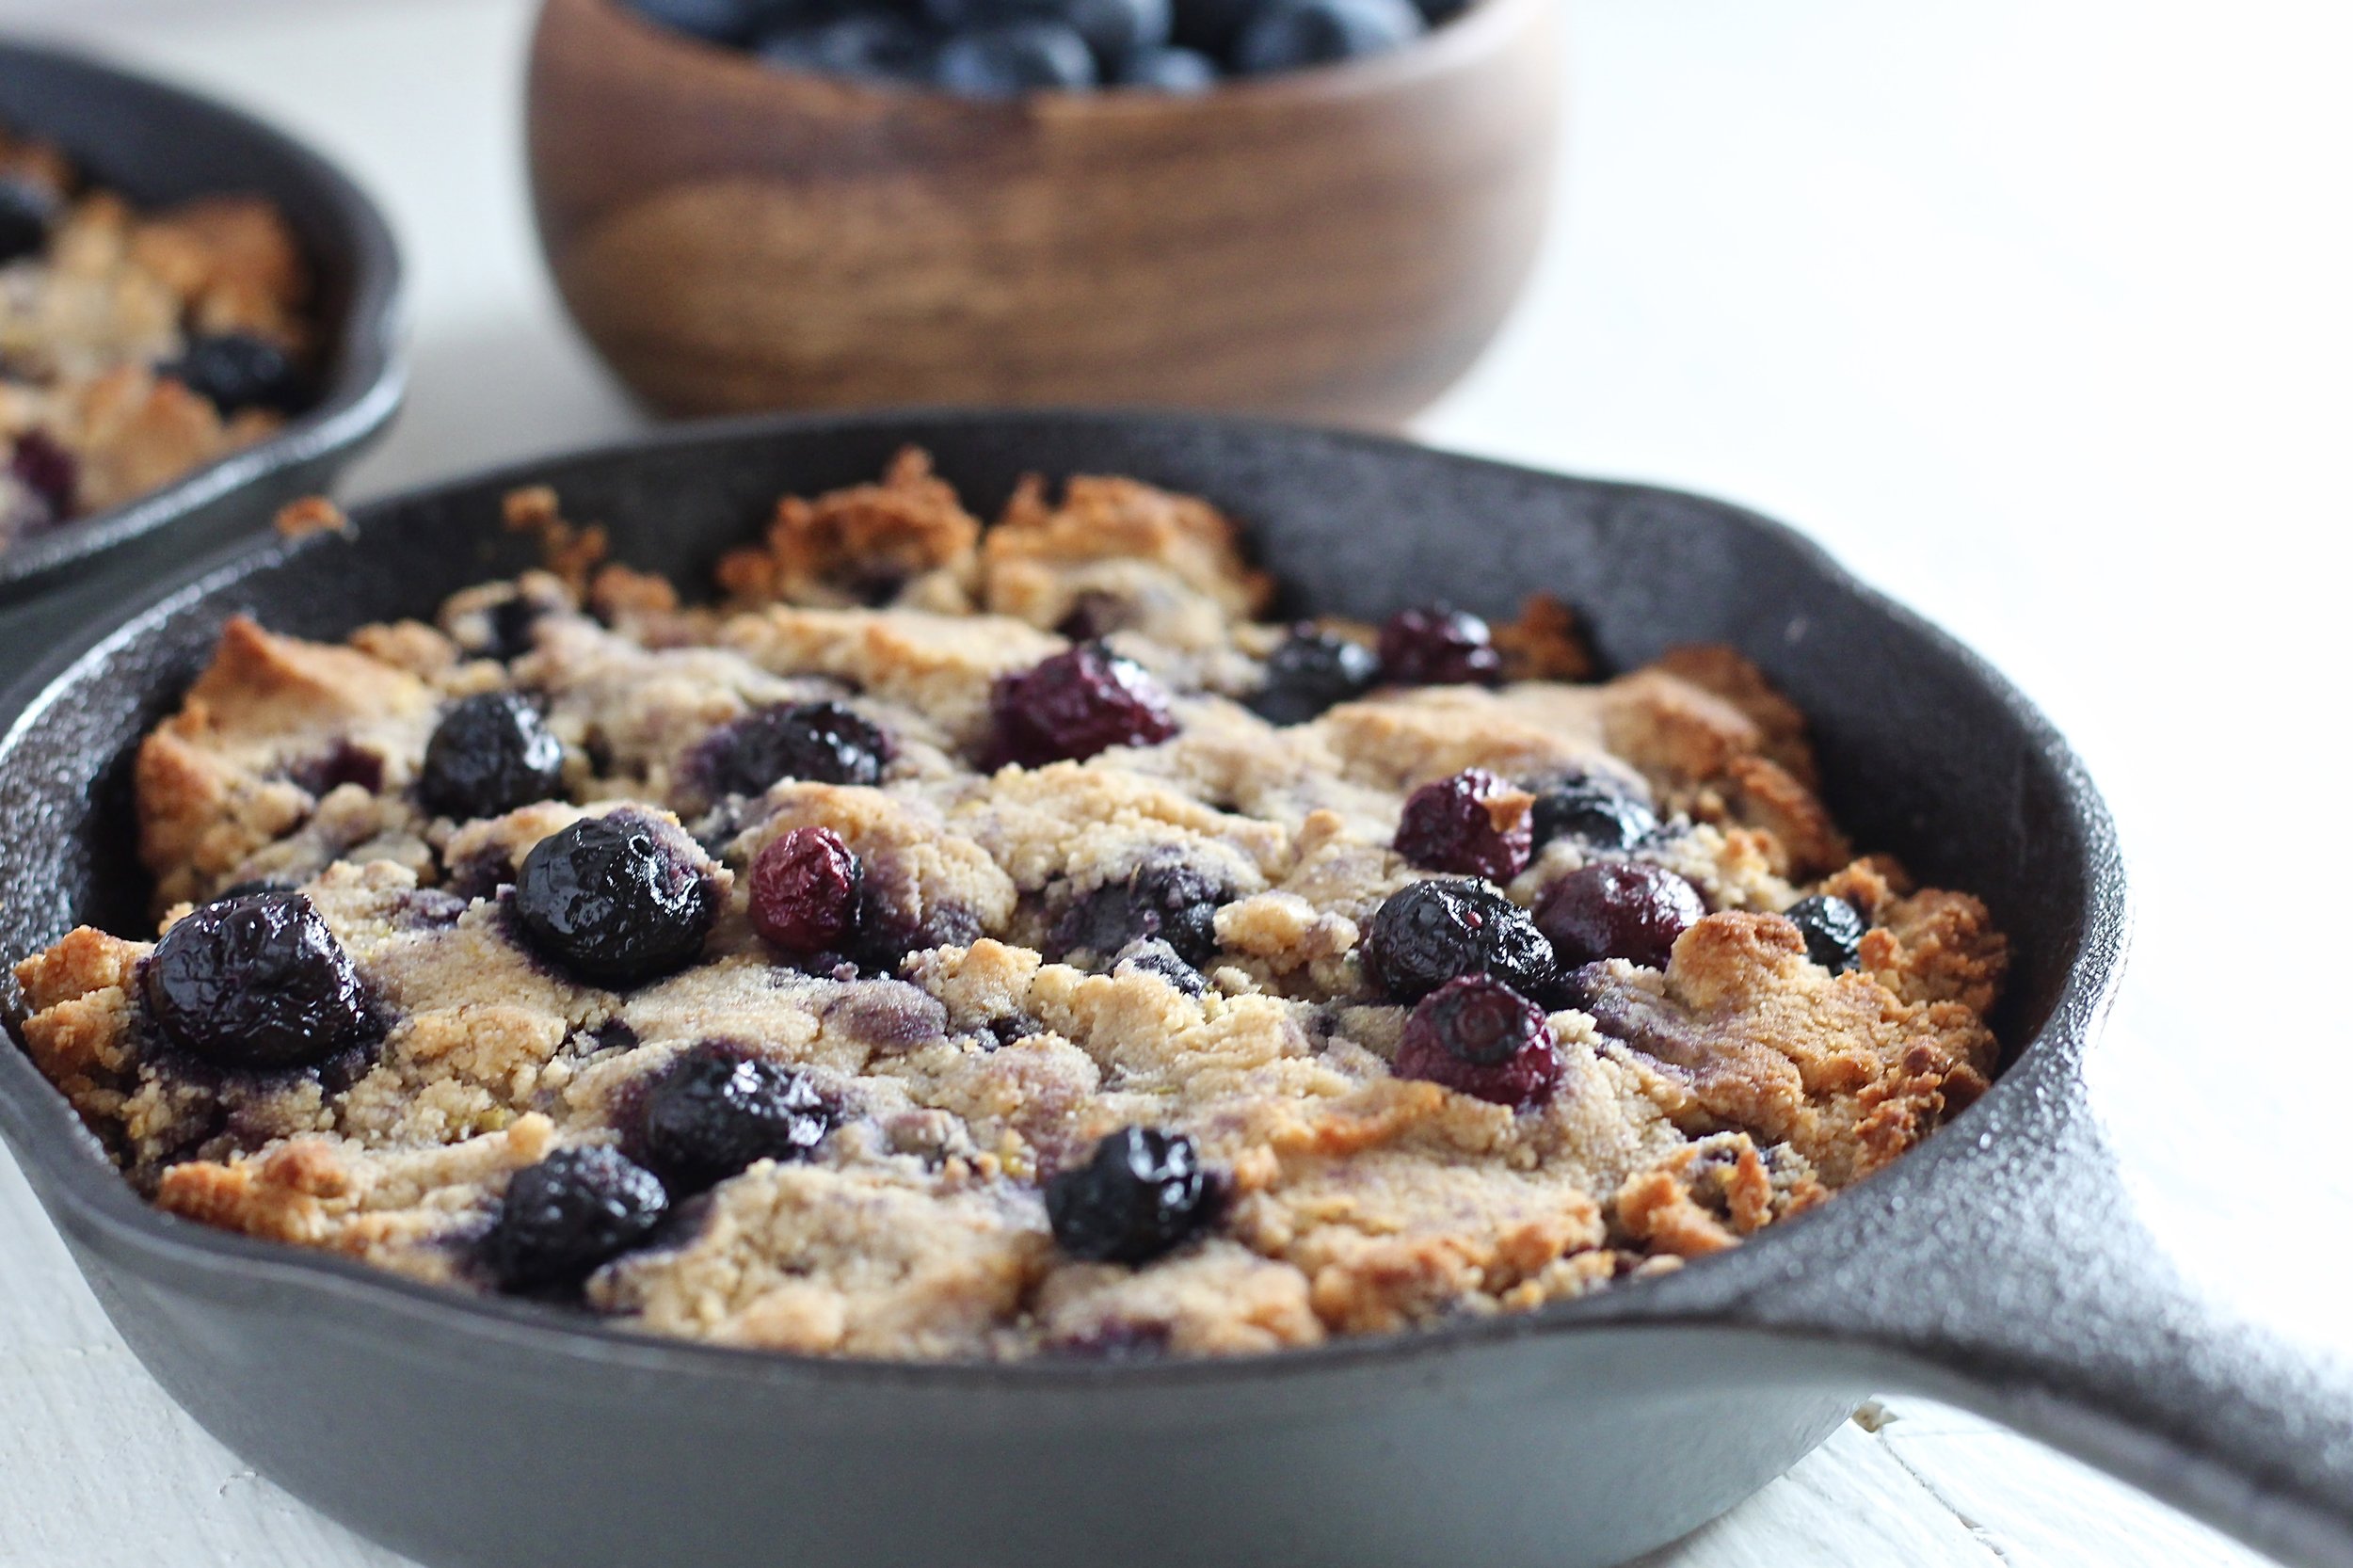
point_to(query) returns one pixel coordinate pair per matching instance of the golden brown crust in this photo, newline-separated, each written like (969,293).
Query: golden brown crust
(847,546)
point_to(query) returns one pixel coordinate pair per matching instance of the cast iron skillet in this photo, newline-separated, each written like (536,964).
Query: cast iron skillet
(157,144)
(1999,1265)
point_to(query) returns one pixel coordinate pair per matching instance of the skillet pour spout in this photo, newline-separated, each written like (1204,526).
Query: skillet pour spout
(1997,1265)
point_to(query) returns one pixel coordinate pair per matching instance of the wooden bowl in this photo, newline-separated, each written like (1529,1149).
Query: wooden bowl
(1334,243)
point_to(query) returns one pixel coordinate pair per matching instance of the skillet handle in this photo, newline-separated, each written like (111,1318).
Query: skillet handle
(2053,1309)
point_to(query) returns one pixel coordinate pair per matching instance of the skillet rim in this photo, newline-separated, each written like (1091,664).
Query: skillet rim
(357,402)
(86,1191)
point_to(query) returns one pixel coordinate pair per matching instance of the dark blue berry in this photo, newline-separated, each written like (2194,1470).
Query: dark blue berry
(1428,933)
(1437,12)
(1081,702)
(1140,1194)
(237,370)
(1592,812)
(616,900)
(572,1211)
(1832,929)
(1116,30)
(27,209)
(491,754)
(257,982)
(1210,26)
(1472,824)
(865,43)
(1289,35)
(1478,1036)
(1164,899)
(1014,57)
(821,742)
(1436,646)
(716,1111)
(1618,909)
(712,20)
(1174,70)
(1311,671)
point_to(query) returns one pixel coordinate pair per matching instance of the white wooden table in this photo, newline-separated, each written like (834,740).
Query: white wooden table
(2035,311)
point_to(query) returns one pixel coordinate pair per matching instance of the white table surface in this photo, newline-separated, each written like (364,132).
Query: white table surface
(2035,311)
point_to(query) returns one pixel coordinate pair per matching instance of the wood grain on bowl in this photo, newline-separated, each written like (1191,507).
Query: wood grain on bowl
(1334,243)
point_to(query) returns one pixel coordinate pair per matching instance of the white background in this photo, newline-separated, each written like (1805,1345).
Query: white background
(2035,311)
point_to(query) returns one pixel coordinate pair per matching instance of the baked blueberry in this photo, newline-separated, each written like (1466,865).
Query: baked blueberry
(1289,35)
(1011,58)
(257,982)
(716,1111)
(572,1211)
(864,43)
(805,892)
(1478,1036)
(616,900)
(1832,929)
(1592,812)
(1170,70)
(1428,933)
(48,470)
(491,754)
(1617,909)
(821,743)
(27,209)
(1081,702)
(1162,900)
(1436,646)
(1142,1192)
(239,371)
(712,20)
(1310,671)
(1472,824)
(1156,957)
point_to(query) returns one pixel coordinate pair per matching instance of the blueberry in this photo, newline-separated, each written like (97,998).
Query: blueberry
(1592,812)
(27,209)
(1162,900)
(821,743)
(237,370)
(1210,26)
(712,20)
(1438,646)
(1832,929)
(714,1112)
(491,754)
(1437,12)
(1173,70)
(1116,30)
(1156,957)
(1289,35)
(247,889)
(257,982)
(1478,1036)
(616,898)
(1618,909)
(805,889)
(48,470)
(1011,58)
(572,1211)
(1078,702)
(1472,824)
(865,43)
(1142,1192)
(1428,933)
(1310,671)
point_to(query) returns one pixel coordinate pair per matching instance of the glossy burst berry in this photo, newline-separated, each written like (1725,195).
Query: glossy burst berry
(491,754)
(821,742)
(1141,1194)
(1310,671)
(1618,909)
(716,1110)
(1438,647)
(805,892)
(237,370)
(1011,58)
(1592,812)
(572,1211)
(257,982)
(1472,824)
(1081,702)
(1832,929)
(1289,35)
(1162,900)
(1428,933)
(616,900)
(1478,1036)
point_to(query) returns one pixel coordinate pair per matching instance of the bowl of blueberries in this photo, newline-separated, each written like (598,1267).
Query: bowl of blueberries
(1319,208)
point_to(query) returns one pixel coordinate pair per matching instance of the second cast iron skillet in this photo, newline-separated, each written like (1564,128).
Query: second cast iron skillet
(1999,1265)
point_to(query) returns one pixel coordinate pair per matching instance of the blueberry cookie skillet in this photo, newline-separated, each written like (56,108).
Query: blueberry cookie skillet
(969,942)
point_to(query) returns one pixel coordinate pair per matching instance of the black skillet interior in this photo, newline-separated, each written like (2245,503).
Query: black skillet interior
(158,144)
(1999,1264)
